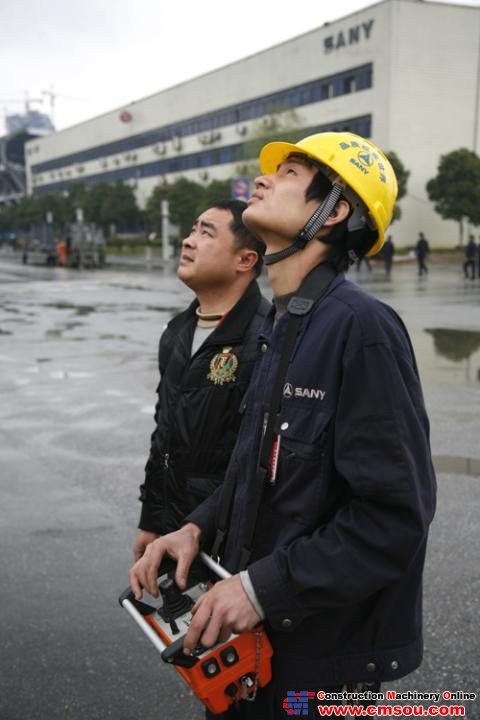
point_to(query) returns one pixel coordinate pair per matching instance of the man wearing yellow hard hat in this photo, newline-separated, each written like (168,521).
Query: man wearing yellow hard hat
(324,513)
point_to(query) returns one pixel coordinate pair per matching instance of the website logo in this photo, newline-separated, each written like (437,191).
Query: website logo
(296,703)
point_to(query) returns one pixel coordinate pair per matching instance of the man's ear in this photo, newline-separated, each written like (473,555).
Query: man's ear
(340,212)
(247,260)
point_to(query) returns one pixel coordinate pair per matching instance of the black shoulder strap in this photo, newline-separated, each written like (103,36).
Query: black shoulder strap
(311,290)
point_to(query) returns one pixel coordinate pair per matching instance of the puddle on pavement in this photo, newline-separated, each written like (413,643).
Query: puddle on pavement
(453,465)
(447,356)
(164,308)
(128,287)
(58,332)
(79,309)
(70,374)
(455,345)
(113,337)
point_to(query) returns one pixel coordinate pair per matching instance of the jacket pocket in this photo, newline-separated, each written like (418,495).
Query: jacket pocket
(299,490)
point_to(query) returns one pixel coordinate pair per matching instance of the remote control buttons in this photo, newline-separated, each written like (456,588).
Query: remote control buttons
(229,656)
(210,668)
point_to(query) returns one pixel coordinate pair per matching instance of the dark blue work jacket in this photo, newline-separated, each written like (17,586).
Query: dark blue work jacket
(341,535)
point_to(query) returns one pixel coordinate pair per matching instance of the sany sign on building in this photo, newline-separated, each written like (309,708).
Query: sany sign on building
(353,35)
(240,189)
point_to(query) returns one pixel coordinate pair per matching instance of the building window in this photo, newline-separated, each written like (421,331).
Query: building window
(321,89)
(349,85)
(326,91)
(201,160)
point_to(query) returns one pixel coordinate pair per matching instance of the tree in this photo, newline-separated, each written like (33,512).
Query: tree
(53,203)
(7,218)
(121,207)
(402,175)
(27,213)
(212,193)
(280,125)
(75,199)
(187,200)
(185,197)
(111,204)
(456,188)
(153,208)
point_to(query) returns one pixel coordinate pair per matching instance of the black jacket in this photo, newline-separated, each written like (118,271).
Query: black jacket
(340,541)
(196,415)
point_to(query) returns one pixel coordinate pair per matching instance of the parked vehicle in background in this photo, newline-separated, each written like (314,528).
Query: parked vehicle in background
(83,246)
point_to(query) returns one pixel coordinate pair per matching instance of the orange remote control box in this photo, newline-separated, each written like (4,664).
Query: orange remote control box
(218,676)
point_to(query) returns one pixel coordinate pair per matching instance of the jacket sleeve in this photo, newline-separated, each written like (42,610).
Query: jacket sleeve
(151,489)
(381,451)
(204,516)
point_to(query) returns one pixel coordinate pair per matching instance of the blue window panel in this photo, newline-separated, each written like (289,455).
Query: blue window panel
(313,91)
(219,156)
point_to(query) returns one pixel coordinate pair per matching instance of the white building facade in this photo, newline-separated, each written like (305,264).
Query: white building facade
(405,73)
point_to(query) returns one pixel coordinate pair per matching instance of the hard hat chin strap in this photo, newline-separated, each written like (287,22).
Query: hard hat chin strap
(313,225)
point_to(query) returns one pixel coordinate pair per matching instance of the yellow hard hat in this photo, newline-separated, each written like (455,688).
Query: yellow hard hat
(358,162)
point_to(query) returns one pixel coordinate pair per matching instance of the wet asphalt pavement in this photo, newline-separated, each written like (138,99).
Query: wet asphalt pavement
(77,378)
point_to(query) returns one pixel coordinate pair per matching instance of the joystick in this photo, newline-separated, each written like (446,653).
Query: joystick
(175,603)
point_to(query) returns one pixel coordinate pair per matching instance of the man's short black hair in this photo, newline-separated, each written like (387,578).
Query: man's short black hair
(244,237)
(341,242)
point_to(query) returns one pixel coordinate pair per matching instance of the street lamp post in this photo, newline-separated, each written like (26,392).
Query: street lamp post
(165,228)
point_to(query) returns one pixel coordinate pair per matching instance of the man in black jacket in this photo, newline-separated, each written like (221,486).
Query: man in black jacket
(206,356)
(337,472)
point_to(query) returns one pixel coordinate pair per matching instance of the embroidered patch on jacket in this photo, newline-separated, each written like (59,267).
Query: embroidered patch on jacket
(223,366)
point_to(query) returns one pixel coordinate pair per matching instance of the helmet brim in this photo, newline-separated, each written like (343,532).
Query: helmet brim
(273,154)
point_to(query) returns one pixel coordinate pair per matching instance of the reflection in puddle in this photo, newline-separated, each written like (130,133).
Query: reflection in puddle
(129,287)
(447,356)
(113,337)
(74,374)
(454,465)
(455,345)
(164,308)
(58,332)
(79,309)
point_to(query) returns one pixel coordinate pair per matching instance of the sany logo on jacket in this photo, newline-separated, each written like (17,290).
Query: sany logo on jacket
(312,393)
(296,703)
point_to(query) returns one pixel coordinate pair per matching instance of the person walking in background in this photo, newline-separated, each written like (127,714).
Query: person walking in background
(367,262)
(478,258)
(422,249)
(471,251)
(388,253)
(61,251)
(206,356)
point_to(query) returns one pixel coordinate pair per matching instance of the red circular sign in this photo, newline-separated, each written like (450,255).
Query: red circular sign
(126,117)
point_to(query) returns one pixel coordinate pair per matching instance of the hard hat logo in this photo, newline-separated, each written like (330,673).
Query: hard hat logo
(366,158)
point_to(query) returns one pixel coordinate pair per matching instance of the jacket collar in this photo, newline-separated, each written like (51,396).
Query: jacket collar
(309,282)
(234,324)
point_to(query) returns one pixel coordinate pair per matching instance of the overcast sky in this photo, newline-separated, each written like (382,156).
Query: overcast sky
(97,55)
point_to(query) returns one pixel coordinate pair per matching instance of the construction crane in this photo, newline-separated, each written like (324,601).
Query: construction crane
(24,101)
(52,95)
